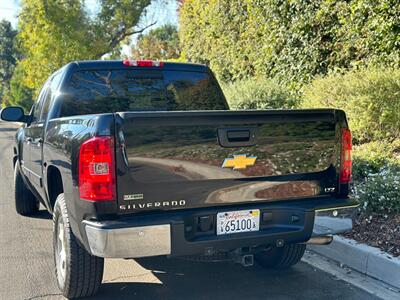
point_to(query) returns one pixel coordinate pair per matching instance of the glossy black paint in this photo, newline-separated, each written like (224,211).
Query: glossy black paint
(48,146)
(176,157)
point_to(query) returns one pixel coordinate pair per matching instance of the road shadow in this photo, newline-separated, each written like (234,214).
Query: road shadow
(7,129)
(181,279)
(41,214)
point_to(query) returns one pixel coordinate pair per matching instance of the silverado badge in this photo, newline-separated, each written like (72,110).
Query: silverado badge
(239,162)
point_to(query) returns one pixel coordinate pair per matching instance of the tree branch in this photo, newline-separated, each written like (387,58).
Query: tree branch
(124,33)
(141,30)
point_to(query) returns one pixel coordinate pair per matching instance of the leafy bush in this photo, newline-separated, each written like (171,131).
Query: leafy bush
(371,157)
(376,177)
(258,94)
(370,98)
(380,192)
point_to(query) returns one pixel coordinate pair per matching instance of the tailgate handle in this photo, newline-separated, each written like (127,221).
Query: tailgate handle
(238,135)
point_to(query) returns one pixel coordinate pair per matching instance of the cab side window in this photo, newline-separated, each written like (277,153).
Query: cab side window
(37,108)
(51,91)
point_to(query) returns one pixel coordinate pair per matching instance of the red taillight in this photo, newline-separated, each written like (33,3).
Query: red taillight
(345,157)
(143,63)
(97,169)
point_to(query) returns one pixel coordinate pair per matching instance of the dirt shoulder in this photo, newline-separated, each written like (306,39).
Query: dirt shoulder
(378,231)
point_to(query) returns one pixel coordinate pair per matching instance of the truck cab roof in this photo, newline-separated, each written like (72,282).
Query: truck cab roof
(117,64)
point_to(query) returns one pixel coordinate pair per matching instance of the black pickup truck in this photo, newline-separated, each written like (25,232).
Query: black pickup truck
(144,158)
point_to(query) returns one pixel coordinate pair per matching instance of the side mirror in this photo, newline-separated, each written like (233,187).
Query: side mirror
(13,114)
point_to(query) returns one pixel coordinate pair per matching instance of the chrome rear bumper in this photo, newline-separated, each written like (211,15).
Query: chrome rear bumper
(153,240)
(129,242)
(333,220)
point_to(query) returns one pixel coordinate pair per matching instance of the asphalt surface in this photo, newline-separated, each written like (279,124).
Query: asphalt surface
(27,271)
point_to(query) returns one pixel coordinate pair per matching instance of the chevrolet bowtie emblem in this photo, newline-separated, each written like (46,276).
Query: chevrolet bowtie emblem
(239,162)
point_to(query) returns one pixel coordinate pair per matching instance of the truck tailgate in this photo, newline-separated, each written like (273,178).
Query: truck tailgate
(180,160)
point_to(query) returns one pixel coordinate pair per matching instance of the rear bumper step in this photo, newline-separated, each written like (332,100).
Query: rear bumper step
(333,220)
(136,239)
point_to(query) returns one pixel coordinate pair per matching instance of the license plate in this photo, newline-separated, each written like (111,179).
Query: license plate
(238,221)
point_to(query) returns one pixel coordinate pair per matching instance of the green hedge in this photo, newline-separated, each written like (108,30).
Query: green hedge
(258,94)
(371,157)
(289,40)
(370,98)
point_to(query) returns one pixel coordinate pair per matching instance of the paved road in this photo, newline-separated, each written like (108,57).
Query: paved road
(26,265)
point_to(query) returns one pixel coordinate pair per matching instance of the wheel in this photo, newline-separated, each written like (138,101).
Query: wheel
(26,203)
(78,273)
(281,258)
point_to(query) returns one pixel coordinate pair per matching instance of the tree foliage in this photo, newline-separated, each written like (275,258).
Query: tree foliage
(19,94)
(115,22)
(8,56)
(160,43)
(54,32)
(291,41)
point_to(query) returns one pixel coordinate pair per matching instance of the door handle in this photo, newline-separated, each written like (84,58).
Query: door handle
(237,136)
(39,142)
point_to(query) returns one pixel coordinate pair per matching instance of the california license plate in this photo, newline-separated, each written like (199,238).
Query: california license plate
(238,221)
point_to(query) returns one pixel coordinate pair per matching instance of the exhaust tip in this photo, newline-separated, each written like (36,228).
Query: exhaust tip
(320,240)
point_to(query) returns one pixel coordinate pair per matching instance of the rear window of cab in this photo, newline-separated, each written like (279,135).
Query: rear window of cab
(103,91)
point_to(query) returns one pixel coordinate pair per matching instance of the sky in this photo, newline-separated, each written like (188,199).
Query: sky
(9,10)
(162,11)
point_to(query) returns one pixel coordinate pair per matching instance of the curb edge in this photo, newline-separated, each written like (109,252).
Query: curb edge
(365,259)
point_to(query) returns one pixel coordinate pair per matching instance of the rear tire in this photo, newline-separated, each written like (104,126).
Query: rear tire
(78,273)
(281,258)
(26,203)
